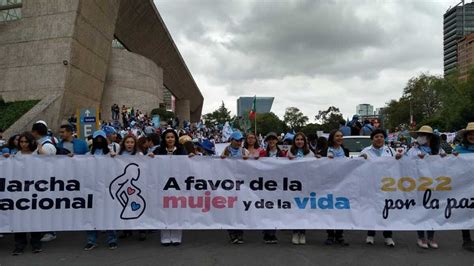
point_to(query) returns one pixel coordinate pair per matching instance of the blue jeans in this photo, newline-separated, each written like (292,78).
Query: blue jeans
(92,237)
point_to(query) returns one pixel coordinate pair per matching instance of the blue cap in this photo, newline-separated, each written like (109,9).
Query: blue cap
(108,130)
(206,145)
(236,136)
(100,133)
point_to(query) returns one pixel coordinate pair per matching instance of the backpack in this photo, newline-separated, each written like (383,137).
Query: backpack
(59,150)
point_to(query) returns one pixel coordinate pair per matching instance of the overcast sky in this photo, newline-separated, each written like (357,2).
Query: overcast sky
(306,53)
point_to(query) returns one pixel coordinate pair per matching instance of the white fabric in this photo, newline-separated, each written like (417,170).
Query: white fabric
(171,236)
(372,153)
(128,192)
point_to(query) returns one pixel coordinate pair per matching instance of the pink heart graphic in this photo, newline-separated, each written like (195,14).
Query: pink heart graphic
(130,191)
(400,150)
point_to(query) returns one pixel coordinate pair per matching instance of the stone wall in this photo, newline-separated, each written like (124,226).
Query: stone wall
(133,81)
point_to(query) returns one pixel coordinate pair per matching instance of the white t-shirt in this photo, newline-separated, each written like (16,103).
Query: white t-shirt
(116,149)
(47,147)
(372,152)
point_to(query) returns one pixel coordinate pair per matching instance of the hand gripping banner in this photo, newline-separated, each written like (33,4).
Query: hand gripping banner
(137,192)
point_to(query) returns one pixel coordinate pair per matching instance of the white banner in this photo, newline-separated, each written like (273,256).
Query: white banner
(138,192)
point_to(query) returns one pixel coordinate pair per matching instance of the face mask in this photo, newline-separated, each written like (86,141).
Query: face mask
(422,140)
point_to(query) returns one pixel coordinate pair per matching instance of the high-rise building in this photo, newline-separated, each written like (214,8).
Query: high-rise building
(465,55)
(365,109)
(458,22)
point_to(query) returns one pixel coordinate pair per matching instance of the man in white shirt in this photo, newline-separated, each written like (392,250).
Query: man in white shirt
(45,144)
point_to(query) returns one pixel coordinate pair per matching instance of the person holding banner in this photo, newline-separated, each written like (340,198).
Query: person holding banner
(335,150)
(129,147)
(299,149)
(170,146)
(466,146)
(269,236)
(235,150)
(427,143)
(27,146)
(379,149)
(251,144)
(100,147)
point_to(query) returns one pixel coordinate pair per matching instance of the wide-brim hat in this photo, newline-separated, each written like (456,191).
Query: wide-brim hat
(469,128)
(271,135)
(423,129)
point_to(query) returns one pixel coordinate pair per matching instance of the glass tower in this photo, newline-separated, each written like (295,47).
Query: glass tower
(458,21)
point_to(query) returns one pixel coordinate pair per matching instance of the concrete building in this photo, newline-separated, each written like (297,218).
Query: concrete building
(60,52)
(365,109)
(458,21)
(244,105)
(465,55)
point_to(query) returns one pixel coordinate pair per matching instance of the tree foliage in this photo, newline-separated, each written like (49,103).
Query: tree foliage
(217,117)
(269,122)
(164,114)
(294,118)
(445,103)
(330,119)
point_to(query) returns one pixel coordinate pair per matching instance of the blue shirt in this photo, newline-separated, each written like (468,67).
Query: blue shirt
(79,146)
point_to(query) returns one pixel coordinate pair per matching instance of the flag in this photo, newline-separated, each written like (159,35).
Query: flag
(253,112)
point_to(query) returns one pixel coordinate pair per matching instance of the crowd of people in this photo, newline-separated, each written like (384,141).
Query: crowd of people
(196,140)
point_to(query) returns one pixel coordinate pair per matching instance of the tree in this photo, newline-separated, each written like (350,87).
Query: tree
(269,122)
(311,128)
(164,114)
(445,103)
(397,113)
(219,116)
(330,119)
(294,118)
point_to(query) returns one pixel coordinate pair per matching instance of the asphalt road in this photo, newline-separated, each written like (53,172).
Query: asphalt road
(213,248)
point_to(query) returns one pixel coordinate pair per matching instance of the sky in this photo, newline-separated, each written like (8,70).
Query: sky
(309,54)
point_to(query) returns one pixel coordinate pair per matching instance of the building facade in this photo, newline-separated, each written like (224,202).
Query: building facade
(61,53)
(263,105)
(465,56)
(365,109)
(458,22)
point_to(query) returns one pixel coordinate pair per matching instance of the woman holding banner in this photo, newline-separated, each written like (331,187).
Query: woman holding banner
(427,143)
(170,146)
(269,236)
(335,150)
(466,146)
(129,147)
(235,150)
(376,150)
(100,147)
(27,145)
(251,144)
(299,149)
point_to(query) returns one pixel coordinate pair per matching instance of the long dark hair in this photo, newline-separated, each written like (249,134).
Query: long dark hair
(465,143)
(321,145)
(434,143)
(162,149)
(293,148)
(100,145)
(246,144)
(332,134)
(32,145)
(11,142)
(122,144)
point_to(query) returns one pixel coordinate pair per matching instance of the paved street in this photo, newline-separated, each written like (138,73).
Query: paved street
(212,248)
